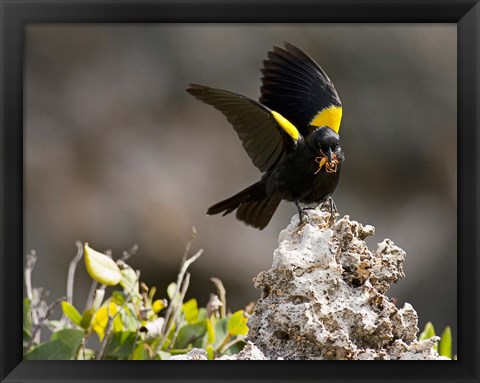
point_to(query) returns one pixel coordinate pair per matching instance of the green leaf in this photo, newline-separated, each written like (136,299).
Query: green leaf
(237,324)
(190,310)
(121,345)
(27,316)
(27,321)
(202,314)
(235,348)
(140,352)
(26,334)
(130,282)
(86,354)
(172,287)
(210,352)
(427,332)
(190,333)
(69,336)
(118,297)
(128,317)
(151,293)
(221,331)
(180,351)
(97,299)
(445,346)
(63,345)
(51,350)
(163,355)
(56,325)
(72,313)
(101,268)
(210,332)
(87,318)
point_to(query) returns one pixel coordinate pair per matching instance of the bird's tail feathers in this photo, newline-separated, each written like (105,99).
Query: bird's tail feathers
(258,213)
(253,207)
(230,204)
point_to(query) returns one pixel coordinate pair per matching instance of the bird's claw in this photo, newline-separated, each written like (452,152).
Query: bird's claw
(303,213)
(328,205)
(332,209)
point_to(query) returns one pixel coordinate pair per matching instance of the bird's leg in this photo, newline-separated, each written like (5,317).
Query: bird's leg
(300,211)
(332,207)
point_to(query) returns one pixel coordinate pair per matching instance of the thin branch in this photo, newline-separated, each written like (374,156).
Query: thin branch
(130,294)
(129,253)
(71,276)
(222,295)
(81,348)
(174,338)
(178,313)
(106,336)
(230,344)
(189,244)
(224,343)
(108,327)
(172,307)
(71,271)
(91,294)
(48,312)
(137,335)
(213,305)
(31,259)
(176,300)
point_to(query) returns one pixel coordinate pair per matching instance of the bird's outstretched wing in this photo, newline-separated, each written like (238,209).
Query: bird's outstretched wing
(265,134)
(294,85)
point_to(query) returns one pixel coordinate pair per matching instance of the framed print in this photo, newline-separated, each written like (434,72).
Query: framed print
(325,154)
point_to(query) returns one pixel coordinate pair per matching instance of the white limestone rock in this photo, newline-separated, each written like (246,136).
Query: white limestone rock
(324,297)
(249,352)
(193,354)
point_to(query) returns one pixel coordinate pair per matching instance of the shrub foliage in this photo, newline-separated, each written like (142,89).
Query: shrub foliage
(131,323)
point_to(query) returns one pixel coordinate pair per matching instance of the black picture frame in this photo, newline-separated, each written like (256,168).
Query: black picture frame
(15,15)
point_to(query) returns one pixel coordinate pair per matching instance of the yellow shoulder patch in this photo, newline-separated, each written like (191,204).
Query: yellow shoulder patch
(286,125)
(331,117)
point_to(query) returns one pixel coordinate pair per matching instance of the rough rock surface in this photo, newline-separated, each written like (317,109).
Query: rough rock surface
(324,297)
(193,354)
(249,352)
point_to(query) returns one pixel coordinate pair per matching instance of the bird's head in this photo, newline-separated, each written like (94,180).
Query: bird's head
(324,141)
(326,144)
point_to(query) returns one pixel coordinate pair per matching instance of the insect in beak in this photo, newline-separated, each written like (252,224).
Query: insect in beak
(328,160)
(329,155)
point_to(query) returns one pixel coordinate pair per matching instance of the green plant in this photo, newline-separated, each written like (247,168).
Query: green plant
(130,324)
(444,346)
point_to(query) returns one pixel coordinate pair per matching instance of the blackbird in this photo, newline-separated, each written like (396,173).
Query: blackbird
(290,134)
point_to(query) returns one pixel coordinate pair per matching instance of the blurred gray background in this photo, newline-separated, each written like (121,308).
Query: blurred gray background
(117,153)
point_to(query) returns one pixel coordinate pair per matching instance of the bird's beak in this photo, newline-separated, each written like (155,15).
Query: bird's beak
(329,155)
